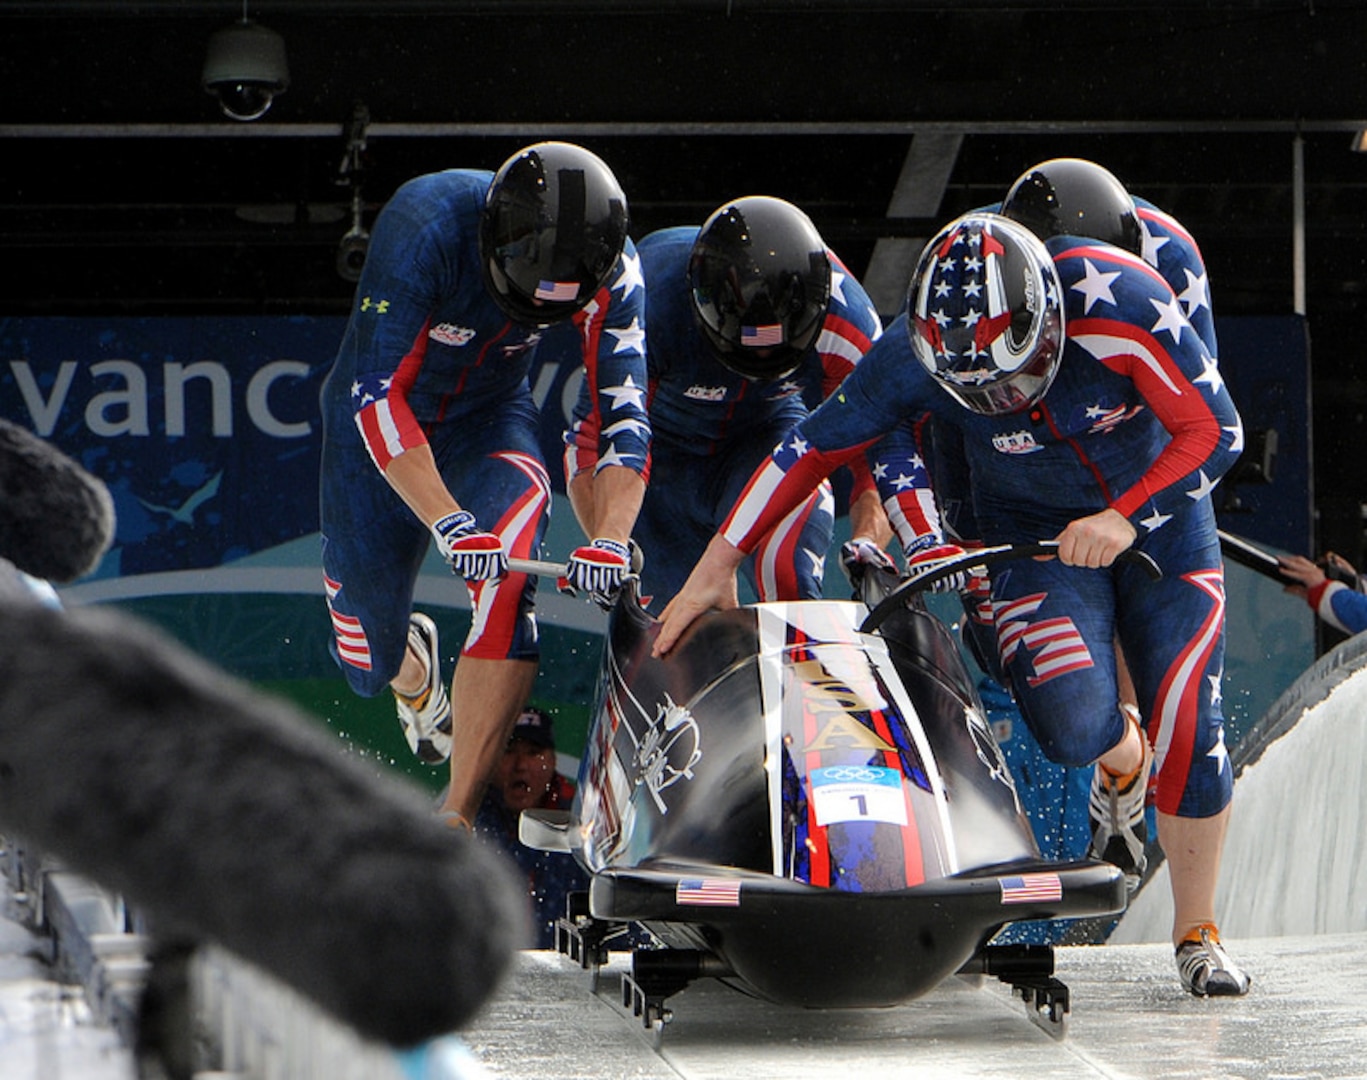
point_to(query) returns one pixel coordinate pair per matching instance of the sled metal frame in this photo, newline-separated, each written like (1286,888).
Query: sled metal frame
(656,975)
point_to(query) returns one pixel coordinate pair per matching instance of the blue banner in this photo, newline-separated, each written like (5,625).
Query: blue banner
(206,429)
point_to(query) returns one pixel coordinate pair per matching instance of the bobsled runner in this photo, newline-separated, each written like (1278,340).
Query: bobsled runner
(805,801)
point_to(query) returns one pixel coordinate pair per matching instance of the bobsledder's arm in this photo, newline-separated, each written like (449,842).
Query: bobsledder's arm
(920,580)
(712,584)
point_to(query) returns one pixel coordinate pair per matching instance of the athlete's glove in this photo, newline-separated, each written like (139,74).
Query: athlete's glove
(927,558)
(861,553)
(599,569)
(471,554)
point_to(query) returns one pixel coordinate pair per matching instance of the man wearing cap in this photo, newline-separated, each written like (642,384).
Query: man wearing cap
(526,778)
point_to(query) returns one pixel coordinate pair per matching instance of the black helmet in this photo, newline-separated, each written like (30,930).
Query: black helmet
(1073,197)
(985,314)
(760,281)
(554,224)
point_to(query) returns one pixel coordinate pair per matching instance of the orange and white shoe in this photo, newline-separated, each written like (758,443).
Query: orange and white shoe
(426,718)
(1115,808)
(1205,968)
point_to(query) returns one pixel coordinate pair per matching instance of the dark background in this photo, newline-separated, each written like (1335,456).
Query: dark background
(124,191)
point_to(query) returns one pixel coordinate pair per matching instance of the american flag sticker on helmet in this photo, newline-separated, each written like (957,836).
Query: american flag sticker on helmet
(759,337)
(556,290)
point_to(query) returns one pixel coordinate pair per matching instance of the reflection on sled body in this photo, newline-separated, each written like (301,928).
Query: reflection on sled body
(819,816)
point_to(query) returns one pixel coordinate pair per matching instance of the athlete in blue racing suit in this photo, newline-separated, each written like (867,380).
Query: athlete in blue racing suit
(718,405)
(1108,435)
(430,433)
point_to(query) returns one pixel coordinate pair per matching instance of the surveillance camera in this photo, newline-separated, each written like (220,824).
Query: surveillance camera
(245,68)
(351,253)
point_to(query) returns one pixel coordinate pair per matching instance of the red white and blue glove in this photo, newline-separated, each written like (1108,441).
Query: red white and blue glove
(861,553)
(599,569)
(471,554)
(927,558)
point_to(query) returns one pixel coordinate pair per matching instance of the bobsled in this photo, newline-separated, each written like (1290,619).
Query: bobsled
(805,801)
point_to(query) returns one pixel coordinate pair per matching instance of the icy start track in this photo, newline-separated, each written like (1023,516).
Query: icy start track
(1130,1019)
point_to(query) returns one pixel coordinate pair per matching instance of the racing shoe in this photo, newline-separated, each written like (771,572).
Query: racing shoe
(1116,810)
(426,718)
(1206,969)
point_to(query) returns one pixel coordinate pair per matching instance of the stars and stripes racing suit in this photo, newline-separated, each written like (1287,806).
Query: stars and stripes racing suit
(1138,420)
(1170,249)
(710,428)
(429,358)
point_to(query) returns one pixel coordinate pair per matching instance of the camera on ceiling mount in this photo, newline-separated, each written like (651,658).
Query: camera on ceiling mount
(245,68)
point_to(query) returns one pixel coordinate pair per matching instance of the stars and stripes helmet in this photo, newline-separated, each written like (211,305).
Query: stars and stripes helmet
(985,314)
(760,282)
(1074,197)
(553,226)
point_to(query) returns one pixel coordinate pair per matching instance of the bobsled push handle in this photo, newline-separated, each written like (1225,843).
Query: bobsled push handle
(537,567)
(920,580)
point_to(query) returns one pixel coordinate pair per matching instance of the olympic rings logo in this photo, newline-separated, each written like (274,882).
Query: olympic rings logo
(852,774)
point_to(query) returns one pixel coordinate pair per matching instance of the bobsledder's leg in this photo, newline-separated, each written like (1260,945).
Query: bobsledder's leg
(486,697)
(1055,633)
(1055,628)
(509,493)
(1173,633)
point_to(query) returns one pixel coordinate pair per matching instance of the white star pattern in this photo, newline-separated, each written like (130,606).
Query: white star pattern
(632,278)
(630,424)
(612,457)
(1219,753)
(1216,694)
(1197,293)
(818,564)
(630,339)
(626,394)
(837,285)
(880,470)
(1093,411)
(1236,442)
(903,482)
(1155,521)
(1170,318)
(1095,285)
(1210,375)
(1204,486)
(798,446)
(876,320)
(1152,244)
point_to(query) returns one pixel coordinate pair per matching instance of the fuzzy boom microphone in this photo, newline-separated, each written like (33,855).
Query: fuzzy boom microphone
(56,520)
(228,816)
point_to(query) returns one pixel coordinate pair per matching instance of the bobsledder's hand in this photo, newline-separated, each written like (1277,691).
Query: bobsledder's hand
(861,552)
(471,554)
(599,569)
(712,584)
(929,558)
(1096,540)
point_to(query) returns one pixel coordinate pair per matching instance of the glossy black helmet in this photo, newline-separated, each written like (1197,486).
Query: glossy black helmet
(1073,197)
(554,224)
(985,314)
(760,281)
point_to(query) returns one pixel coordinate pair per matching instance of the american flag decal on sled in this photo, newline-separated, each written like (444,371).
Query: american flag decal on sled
(707,892)
(1030,888)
